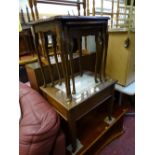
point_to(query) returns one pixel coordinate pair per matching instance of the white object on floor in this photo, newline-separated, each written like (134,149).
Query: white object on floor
(79,146)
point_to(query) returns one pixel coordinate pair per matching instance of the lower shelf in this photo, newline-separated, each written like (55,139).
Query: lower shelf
(94,133)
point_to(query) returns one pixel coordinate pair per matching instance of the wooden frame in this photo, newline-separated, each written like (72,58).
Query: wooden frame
(112,14)
(35,14)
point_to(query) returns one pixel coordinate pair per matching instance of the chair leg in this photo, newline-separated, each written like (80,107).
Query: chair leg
(120,99)
(131,102)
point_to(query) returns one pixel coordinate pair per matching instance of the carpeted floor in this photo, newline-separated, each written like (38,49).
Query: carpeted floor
(125,144)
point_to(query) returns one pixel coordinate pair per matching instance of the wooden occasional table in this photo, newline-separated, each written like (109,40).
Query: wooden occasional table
(66,28)
(82,103)
(89,89)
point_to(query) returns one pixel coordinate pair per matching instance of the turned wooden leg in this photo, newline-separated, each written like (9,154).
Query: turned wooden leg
(36,43)
(101,50)
(96,62)
(61,37)
(72,131)
(80,54)
(45,44)
(71,65)
(110,107)
(68,90)
(99,56)
(31,43)
(106,36)
(56,58)
(64,60)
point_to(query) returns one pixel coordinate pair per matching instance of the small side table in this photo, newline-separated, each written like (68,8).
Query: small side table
(128,90)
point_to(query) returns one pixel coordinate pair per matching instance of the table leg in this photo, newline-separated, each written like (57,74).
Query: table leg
(70,48)
(64,58)
(35,40)
(72,131)
(105,39)
(99,55)
(31,43)
(45,44)
(56,58)
(80,54)
(110,107)
(66,63)
(96,62)
(120,99)
(101,49)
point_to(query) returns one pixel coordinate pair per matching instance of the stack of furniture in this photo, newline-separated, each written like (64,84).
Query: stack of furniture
(72,81)
(75,94)
(64,29)
(73,89)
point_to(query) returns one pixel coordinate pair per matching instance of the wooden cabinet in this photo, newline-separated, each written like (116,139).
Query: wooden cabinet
(120,63)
